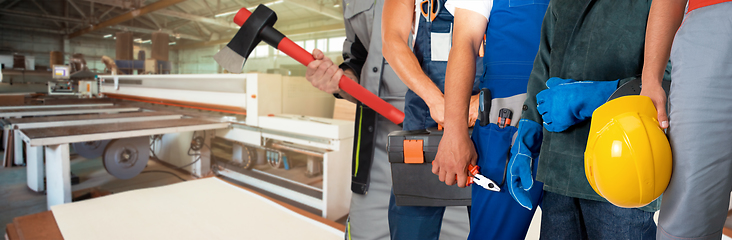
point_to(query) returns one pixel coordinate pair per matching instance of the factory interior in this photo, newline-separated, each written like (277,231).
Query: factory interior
(123,119)
(126,99)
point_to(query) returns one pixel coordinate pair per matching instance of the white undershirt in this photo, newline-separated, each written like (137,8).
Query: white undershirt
(482,7)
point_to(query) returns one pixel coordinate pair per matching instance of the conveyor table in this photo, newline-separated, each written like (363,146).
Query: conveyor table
(34,155)
(56,141)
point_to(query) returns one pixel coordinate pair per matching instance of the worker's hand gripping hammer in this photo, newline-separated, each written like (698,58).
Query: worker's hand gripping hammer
(257,26)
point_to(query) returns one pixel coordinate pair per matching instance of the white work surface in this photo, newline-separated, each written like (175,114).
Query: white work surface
(34,155)
(206,208)
(56,141)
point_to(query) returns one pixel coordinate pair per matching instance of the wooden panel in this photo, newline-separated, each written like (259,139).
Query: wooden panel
(10,232)
(168,102)
(124,46)
(108,128)
(12,99)
(57,58)
(40,226)
(344,110)
(46,227)
(85,117)
(159,46)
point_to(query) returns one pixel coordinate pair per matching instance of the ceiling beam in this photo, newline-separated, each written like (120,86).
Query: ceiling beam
(226,39)
(314,6)
(106,12)
(201,19)
(60,32)
(149,31)
(175,14)
(152,19)
(11,4)
(40,16)
(77,8)
(209,7)
(160,4)
(44,11)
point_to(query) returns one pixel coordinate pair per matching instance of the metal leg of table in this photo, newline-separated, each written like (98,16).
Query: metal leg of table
(18,146)
(58,175)
(5,138)
(34,168)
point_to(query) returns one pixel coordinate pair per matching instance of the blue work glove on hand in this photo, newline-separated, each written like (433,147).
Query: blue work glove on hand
(568,101)
(525,149)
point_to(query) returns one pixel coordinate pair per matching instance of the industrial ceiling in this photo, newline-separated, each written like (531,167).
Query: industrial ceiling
(190,23)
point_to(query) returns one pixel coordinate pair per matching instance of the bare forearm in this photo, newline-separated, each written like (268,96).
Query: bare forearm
(396,25)
(458,87)
(467,37)
(664,19)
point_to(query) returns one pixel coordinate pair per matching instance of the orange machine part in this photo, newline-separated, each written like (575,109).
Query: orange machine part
(413,151)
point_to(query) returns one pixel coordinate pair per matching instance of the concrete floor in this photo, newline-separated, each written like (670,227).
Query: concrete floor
(16,199)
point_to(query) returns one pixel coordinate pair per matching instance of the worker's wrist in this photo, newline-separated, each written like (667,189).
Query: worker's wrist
(651,80)
(461,123)
(434,99)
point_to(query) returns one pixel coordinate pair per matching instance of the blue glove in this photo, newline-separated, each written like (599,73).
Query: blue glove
(568,102)
(525,149)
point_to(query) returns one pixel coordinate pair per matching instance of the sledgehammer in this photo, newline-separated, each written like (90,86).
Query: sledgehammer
(257,26)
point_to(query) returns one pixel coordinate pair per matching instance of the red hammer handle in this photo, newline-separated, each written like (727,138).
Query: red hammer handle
(293,50)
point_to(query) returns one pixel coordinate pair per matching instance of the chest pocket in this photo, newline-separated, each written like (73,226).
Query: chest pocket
(358,12)
(441,34)
(519,3)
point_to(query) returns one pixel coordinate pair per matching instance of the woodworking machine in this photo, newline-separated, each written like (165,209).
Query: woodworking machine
(280,138)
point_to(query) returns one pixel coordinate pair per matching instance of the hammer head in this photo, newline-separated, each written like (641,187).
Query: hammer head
(234,55)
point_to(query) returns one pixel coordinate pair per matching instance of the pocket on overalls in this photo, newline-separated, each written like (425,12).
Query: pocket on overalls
(493,145)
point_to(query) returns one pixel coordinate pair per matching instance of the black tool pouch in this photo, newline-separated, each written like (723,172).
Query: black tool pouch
(363,148)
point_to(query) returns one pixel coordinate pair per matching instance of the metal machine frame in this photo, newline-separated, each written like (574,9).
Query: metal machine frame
(254,105)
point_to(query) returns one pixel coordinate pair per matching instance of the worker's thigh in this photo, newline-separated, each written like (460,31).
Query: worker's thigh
(564,217)
(368,212)
(695,203)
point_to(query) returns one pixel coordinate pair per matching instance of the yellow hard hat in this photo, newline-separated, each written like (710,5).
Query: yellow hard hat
(628,157)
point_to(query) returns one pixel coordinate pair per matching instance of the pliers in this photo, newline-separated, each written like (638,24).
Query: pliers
(481,180)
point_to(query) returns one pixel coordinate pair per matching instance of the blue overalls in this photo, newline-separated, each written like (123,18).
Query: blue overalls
(431,47)
(512,41)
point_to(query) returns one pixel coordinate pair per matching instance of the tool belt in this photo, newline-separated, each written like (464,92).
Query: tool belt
(411,154)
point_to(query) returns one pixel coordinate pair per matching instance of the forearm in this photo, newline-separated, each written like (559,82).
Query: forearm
(663,21)
(460,74)
(396,24)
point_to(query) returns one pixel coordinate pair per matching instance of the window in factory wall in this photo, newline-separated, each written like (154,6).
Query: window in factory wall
(261,51)
(335,44)
(323,44)
(309,45)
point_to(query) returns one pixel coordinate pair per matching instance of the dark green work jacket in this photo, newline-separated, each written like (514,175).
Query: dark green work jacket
(598,40)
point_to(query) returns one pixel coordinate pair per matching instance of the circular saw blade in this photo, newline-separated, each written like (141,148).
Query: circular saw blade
(125,158)
(90,150)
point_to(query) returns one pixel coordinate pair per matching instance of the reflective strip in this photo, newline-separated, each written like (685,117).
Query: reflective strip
(358,143)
